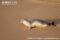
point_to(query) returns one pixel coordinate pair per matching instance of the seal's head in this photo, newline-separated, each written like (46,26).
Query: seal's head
(26,22)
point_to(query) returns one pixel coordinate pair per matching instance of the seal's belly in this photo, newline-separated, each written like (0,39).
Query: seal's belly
(38,24)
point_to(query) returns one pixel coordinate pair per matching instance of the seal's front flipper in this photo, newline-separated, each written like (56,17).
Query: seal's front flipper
(33,27)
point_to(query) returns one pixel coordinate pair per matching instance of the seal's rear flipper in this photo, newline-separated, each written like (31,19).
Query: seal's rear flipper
(53,23)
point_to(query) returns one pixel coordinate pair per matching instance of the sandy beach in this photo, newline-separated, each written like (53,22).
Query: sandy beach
(10,15)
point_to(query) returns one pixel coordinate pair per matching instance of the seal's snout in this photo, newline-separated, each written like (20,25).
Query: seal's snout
(21,21)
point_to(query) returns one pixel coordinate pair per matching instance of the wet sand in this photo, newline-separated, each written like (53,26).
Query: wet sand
(11,29)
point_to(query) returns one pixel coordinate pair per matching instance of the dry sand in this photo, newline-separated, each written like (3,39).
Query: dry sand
(11,29)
